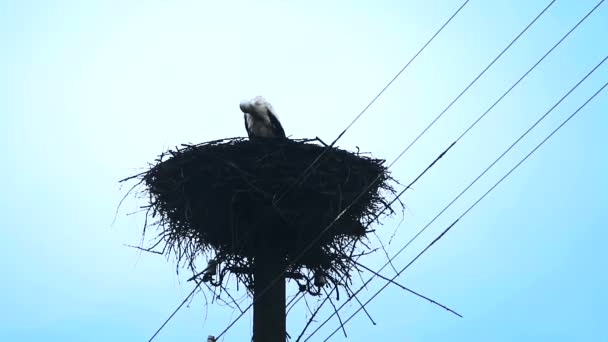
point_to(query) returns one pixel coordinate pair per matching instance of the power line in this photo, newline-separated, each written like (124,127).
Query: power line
(453,101)
(342,133)
(467,188)
(473,82)
(532,68)
(482,197)
(311,319)
(441,155)
(481,175)
(175,311)
(294,301)
(431,124)
(403,152)
(488,110)
(411,291)
(418,294)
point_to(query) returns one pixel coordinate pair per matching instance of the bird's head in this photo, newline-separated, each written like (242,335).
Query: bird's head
(256,105)
(245,106)
(259,101)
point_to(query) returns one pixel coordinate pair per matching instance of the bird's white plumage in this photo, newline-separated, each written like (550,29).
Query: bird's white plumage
(261,119)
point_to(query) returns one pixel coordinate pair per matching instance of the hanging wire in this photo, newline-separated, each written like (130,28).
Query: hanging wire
(478,200)
(479,177)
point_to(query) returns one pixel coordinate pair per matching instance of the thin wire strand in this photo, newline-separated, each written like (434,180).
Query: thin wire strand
(312,317)
(174,312)
(480,199)
(298,296)
(410,290)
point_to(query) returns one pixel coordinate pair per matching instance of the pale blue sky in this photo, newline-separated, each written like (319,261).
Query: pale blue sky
(93,90)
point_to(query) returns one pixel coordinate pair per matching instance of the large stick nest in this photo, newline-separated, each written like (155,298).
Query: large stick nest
(234,196)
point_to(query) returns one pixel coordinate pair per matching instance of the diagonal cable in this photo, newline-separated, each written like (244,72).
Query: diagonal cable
(476,179)
(480,198)
(488,110)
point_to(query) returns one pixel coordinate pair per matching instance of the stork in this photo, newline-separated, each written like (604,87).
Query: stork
(261,120)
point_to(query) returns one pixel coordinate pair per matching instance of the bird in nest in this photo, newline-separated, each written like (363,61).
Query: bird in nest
(261,120)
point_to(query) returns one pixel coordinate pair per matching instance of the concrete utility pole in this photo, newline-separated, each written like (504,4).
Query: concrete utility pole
(269,296)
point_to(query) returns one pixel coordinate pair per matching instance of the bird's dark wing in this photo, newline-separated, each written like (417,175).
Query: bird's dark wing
(276,124)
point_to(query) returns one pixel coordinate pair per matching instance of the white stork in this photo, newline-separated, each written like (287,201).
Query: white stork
(260,119)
